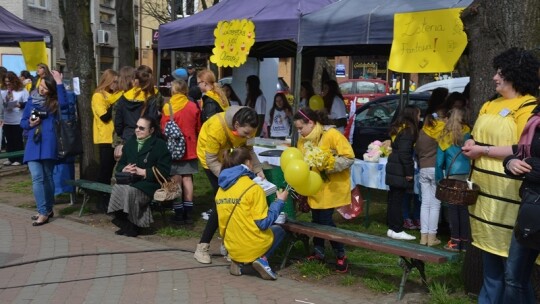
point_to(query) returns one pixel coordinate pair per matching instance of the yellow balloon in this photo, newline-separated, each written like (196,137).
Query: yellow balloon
(313,185)
(316,102)
(297,172)
(288,155)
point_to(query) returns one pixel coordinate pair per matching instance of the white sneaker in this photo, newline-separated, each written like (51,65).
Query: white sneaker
(281,219)
(400,236)
(16,164)
(7,163)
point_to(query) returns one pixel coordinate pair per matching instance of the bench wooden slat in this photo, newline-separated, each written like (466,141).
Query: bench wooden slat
(90,185)
(377,243)
(11,154)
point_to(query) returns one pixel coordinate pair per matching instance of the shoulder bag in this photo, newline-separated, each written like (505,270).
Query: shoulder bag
(527,227)
(68,136)
(169,190)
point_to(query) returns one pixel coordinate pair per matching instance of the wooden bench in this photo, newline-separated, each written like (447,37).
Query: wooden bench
(11,154)
(87,187)
(412,255)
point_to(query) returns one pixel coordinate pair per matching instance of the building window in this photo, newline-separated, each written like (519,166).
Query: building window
(43,4)
(106,18)
(106,60)
(107,3)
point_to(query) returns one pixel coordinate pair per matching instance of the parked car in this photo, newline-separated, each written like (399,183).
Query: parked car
(281,85)
(362,90)
(452,84)
(373,119)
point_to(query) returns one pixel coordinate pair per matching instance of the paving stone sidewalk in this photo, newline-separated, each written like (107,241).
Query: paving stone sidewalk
(69,262)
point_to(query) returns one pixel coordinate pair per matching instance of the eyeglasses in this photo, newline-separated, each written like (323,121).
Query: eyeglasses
(140,128)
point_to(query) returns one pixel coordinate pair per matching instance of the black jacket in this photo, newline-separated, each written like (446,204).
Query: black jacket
(128,113)
(400,162)
(209,108)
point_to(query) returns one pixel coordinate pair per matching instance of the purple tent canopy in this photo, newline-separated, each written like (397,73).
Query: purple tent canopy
(277,23)
(13,30)
(346,27)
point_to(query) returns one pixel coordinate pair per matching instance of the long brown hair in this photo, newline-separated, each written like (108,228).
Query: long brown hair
(333,91)
(51,100)
(106,80)
(209,77)
(14,81)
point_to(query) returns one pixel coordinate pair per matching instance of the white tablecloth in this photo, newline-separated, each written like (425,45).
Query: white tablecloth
(373,175)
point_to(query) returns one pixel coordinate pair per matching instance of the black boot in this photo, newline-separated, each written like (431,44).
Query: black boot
(121,221)
(131,229)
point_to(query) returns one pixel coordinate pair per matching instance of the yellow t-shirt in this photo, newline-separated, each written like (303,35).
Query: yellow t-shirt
(244,240)
(102,131)
(214,139)
(500,123)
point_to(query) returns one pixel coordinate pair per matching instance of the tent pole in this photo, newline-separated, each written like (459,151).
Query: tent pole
(297,81)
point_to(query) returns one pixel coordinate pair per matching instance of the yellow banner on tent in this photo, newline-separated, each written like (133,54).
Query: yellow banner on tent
(427,42)
(34,52)
(234,39)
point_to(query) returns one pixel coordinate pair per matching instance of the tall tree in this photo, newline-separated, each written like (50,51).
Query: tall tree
(492,26)
(125,27)
(79,48)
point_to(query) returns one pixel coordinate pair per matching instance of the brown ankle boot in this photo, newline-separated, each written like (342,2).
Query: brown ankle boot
(423,238)
(433,240)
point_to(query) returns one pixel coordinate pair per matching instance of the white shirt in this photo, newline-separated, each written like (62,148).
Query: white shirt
(260,105)
(280,126)
(12,106)
(338,110)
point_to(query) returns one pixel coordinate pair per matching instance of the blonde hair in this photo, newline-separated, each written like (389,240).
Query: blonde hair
(454,126)
(126,76)
(179,86)
(106,80)
(209,77)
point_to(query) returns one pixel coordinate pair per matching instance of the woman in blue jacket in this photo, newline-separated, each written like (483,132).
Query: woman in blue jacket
(40,114)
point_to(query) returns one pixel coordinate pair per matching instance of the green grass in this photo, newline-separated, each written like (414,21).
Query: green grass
(177,232)
(20,187)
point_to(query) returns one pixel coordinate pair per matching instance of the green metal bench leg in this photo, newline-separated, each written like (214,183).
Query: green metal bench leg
(407,267)
(292,240)
(86,197)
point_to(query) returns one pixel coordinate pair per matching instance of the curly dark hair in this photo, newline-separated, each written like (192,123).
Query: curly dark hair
(520,67)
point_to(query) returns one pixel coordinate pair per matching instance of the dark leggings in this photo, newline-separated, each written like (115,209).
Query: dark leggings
(14,139)
(459,222)
(324,217)
(212,224)
(106,163)
(394,214)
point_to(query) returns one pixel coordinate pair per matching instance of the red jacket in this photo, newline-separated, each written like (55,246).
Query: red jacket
(187,116)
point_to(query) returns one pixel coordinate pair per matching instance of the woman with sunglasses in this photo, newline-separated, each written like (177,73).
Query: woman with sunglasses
(130,204)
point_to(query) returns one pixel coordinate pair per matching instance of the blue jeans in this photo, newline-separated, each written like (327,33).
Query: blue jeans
(517,277)
(43,184)
(324,217)
(493,284)
(279,235)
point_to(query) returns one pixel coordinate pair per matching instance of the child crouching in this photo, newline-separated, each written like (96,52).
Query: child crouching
(245,219)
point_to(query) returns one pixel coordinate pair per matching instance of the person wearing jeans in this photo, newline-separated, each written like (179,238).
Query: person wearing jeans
(38,119)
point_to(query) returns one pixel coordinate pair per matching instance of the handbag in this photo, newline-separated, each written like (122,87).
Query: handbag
(356,206)
(68,134)
(527,227)
(169,190)
(126,178)
(176,142)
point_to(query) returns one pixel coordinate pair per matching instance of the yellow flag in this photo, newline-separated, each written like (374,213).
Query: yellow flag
(34,52)
(427,42)
(234,39)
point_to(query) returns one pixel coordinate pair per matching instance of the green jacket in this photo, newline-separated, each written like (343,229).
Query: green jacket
(154,152)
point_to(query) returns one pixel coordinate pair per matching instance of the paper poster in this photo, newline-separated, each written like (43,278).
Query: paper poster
(234,39)
(427,42)
(34,53)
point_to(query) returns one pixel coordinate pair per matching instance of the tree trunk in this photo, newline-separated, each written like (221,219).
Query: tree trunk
(79,48)
(493,26)
(125,29)
(322,72)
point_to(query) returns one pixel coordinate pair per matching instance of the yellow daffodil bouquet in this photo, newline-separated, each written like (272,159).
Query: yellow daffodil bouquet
(319,159)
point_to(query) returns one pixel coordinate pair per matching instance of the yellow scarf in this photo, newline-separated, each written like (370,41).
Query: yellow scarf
(446,140)
(393,137)
(435,131)
(136,94)
(215,96)
(178,102)
(315,135)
